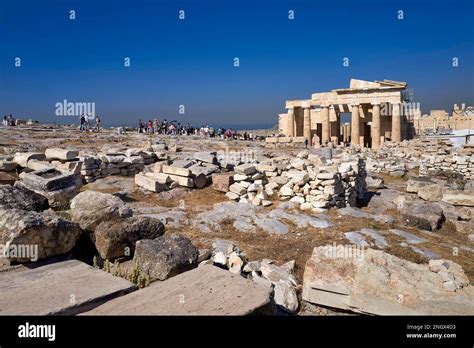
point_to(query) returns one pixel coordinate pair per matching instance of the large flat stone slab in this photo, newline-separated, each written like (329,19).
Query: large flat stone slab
(63,288)
(374,282)
(206,290)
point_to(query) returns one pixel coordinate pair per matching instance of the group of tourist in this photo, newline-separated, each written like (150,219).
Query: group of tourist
(165,127)
(86,120)
(176,128)
(8,121)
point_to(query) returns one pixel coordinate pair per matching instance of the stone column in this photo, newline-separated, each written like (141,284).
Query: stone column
(291,122)
(375,126)
(307,124)
(355,125)
(396,123)
(347,130)
(325,136)
(337,125)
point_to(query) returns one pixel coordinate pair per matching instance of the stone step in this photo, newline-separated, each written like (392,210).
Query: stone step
(66,288)
(206,290)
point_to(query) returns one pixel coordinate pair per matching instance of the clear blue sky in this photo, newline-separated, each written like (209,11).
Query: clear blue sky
(190,62)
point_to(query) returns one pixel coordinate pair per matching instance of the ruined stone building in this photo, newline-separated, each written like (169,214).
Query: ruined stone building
(461,118)
(376,108)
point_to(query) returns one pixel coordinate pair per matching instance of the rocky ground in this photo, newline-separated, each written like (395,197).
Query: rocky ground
(265,225)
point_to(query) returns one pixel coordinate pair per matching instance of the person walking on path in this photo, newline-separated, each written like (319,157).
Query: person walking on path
(82,120)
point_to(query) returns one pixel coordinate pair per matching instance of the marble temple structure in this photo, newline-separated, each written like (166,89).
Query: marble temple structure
(376,110)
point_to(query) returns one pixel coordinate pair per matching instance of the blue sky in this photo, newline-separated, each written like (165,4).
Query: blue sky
(190,62)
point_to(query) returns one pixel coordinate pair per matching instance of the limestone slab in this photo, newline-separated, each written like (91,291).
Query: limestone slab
(206,290)
(63,288)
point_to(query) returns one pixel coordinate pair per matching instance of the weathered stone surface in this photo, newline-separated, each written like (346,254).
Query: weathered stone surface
(22,198)
(380,283)
(22,158)
(8,178)
(206,290)
(237,188)
(176,171)
(285,296)
(246,169)
(165,256)
(182,180)
(272,226)
(46,231)
(357,213)
(452,275)
(8,166)
(150,183)
(48,290)
(61,154)
(89,208)
(425,216)
(221,182)
(208,157)
(162,178)
(465,198)
(114,239)
(59,187)
(39,165)
(431,193)
(276,273)
(199,179)
(235,263)
(373,181)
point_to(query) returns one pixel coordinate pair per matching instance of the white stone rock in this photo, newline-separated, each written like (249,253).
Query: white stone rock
(285,296)
(235,263)
(238,189)
(232,195)
(220,259)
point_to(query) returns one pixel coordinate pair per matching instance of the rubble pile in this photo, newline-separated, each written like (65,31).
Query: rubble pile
(308,180)
(225,254)
(127,163)
(428,155)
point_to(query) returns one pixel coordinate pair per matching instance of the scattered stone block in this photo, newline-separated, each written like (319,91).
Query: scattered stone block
(245,169)
(207,157)
(150,183)
(90,208)
(165,256)
(176,171)
(38,234)
(22,158)
(47,290)
(61,154)
(358,284)
(21,198)
(222,181)
(114,239)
